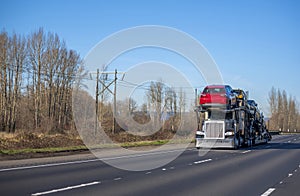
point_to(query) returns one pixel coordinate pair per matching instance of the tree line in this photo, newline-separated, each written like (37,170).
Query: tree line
(36,76)
(162,104)
(284,109)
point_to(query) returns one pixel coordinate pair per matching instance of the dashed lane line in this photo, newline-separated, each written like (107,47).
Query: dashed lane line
(244,152)
(202,161)
(268,192)
(66,188)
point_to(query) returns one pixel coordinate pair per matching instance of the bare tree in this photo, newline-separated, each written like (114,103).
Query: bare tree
(36,49)
(285,108)
(182,102)
(12,58)
(284,111)
(132,105)
(280,110)
(273,108)
(292,115)
(155,96)
(50,69)
(4,44)
(18,55)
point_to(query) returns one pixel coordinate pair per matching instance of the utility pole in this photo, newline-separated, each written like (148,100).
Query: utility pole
(102,98)
(96,104)
(106,87)
(196,97)
(115,102)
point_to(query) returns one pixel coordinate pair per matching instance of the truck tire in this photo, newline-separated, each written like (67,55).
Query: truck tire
(236,143)
(249,143)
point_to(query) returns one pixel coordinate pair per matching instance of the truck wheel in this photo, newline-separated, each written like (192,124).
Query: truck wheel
(236,143)
(266,140)
(249,143)
(236,147)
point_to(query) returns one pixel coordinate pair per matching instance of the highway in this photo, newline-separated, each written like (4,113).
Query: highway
(270,169)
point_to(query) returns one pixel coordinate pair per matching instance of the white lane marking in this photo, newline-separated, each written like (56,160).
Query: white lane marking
(66,188)
(117,179)
(290,175)
(172,167)
(164,169)
(268,192)
(246,151)
(48,165)
(202,161)
(289,141)
(148,173)
(86,161)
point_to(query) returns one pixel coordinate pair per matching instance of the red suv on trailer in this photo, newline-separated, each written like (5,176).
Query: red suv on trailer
(218,96)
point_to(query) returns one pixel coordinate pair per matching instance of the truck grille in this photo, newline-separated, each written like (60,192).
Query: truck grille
(214,130)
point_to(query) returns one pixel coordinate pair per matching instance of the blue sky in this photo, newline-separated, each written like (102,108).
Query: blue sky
(256,44)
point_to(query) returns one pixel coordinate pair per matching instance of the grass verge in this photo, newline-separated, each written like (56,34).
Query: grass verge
(42,150)
(45,151)
(77,148)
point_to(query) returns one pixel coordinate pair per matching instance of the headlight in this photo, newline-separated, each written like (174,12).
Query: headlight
(229,133)
(200,132)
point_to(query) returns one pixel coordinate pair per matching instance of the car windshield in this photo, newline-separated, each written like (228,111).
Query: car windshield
(214,90)
(251,102)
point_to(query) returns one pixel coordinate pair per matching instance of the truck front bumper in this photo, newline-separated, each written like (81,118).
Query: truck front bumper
(215,143)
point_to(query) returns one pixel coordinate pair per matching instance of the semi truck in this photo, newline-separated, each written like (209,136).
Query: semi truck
(233,122)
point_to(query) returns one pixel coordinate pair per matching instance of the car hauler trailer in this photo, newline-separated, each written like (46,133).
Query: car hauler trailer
(239,126)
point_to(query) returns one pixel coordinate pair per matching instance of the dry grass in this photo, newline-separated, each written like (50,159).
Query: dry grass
(24,140)
(4,135)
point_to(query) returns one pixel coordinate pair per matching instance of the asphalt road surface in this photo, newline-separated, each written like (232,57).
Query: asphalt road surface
(270,169)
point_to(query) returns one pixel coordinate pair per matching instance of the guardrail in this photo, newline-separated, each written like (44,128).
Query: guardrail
(275,132)
(283,132)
